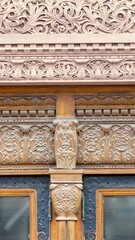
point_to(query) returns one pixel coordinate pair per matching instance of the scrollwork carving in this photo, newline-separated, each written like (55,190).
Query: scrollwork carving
(65,143)
(100,145)
(90,236)
(26,145)
(42,236)
(72,16)
(66,200)
(67,69)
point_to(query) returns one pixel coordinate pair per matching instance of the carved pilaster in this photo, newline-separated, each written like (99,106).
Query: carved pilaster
(65,143)
(66,194)
(66,200)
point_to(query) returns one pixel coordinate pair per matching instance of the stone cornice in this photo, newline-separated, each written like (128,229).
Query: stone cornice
(43,59)
(72,16)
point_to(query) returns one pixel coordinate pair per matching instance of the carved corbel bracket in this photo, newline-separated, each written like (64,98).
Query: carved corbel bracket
(65,143)
(66,201)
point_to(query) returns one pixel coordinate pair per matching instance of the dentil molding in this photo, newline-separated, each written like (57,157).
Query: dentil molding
(67,42)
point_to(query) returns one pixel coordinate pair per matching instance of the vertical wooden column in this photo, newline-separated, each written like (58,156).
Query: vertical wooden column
(66,181)
(65,107)
(66,195)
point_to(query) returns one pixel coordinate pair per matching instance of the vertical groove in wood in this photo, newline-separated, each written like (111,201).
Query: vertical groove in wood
(62,230)
(71,230)
(79,226)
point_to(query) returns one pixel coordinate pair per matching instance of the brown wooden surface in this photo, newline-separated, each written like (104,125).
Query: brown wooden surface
(64,89)
(29,192)
(99,205)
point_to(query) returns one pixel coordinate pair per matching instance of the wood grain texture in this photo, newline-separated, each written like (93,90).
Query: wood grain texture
(29,192)
(99,205)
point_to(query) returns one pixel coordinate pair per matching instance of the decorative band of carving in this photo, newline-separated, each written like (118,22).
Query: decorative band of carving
(26,145)
(72,16)
(107,145)
(108,106)
(66,200)
(112,47)
(107,99)
(65,143)
(67,70)
(27,101)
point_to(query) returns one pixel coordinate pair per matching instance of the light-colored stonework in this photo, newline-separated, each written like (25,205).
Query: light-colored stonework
(73,42)
(72,16)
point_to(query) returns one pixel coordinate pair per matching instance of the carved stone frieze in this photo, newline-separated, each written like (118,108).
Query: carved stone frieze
(66,200)
(72,16)
(26,145)
(106,145)
(65,143)
(67,69)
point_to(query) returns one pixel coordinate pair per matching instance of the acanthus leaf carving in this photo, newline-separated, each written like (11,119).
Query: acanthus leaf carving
(26,145)
(66,200)
(72,16)
(67,69)
(65,143)
(107,145)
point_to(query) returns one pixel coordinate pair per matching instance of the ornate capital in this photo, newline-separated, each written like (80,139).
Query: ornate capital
(66,200)
(65,143)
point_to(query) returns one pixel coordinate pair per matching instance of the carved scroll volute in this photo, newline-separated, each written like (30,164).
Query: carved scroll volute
(65,143)
(66,200)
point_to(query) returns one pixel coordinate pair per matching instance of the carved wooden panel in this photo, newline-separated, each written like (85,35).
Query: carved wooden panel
(26,130)
(106,131)
(66,200)
(46,16)
(107,145)
(65,143)
(36,106)
(26,145)
(106,106)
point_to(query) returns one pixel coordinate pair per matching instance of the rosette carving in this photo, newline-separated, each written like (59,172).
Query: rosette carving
(66,200)
(65,143)
(72,16)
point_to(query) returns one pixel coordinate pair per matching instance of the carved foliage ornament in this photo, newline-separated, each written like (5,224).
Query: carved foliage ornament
(65,143)
(67,69)
(72,16)
(66,200)
(26,145)
(100,145)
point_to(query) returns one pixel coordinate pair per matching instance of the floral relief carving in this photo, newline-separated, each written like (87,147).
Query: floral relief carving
(72,16)
(91,142)
(67,69)
(121,144)
(100,145)
(65,143)
(66,200)
(26,145)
